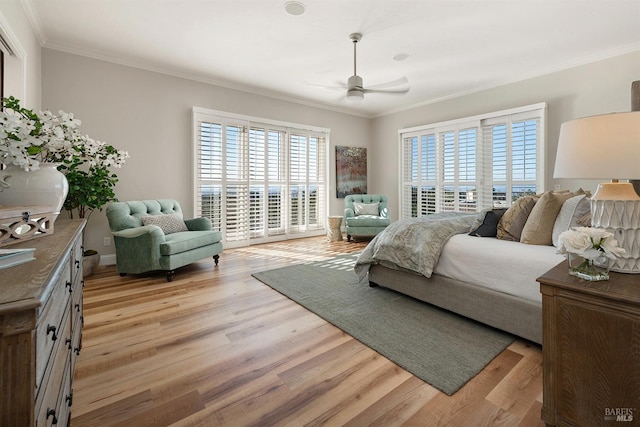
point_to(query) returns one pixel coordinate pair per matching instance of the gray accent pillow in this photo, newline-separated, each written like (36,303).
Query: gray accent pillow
(171,223)
(575,212)
(366,209)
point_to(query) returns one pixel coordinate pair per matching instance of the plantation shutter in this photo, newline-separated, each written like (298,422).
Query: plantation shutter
(474,163)
(209,167)
(515,142)
(276,182)
(459,164)
(419,174)
(236,184)
(258,181)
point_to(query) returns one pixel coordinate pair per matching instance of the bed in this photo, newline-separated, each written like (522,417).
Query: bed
(484,278)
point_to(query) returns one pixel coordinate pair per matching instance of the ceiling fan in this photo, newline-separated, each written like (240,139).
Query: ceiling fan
(355,87)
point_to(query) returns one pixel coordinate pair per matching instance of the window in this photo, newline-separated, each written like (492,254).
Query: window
(259,181)
(473,163)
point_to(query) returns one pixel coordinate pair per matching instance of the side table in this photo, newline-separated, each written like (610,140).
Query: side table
(590,348)
(334,234)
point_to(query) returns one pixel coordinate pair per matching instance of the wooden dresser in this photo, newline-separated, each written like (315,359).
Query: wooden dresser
(40,329)
(591,349)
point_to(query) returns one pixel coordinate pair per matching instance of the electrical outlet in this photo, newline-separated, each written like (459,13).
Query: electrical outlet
(107,241)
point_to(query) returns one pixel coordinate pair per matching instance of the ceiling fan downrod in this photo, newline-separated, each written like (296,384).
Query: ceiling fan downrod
(355,38)
(355,90)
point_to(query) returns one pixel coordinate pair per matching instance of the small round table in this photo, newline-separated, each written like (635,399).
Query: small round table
(334,234)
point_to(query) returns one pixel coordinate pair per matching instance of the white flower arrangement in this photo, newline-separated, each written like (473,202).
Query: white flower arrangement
(28,138)
(589,242)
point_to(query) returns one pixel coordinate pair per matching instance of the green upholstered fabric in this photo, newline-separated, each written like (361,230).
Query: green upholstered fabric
(187,240)
(368,221)
(141,248)
(365,225)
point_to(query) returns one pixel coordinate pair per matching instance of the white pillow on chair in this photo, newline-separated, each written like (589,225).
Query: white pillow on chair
(366,208)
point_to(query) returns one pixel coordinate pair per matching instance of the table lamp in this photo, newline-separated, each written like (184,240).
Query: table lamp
(607,147)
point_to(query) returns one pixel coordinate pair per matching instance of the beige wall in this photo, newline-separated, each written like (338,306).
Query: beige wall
(22,71)
(597,88)
(149,114)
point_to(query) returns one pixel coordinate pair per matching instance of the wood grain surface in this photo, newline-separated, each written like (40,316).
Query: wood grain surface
(216,347)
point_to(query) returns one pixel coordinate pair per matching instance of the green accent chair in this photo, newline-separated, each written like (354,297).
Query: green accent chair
(360,222)
(141,248)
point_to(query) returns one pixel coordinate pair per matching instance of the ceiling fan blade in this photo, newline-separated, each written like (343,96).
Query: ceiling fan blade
(390,91)
(337,86)
(398,82)
(354,87)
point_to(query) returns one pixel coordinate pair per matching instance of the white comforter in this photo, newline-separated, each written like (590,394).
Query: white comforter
(413,244)
(509,267)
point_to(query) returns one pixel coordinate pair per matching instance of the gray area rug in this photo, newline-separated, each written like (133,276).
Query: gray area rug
(437,346)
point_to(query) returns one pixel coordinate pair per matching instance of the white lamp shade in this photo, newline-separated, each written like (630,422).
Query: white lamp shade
(600,147)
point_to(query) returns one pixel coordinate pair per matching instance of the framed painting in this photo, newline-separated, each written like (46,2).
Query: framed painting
(351,171)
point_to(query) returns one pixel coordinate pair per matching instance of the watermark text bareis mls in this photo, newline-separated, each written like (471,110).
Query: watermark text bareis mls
(619,414)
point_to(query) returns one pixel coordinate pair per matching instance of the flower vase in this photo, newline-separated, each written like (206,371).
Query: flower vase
(46,186)
(588,269)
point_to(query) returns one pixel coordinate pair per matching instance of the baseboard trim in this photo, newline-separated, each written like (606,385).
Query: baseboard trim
(108,259)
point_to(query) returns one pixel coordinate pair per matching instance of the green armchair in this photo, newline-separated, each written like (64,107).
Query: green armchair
(151,235)
(365,215)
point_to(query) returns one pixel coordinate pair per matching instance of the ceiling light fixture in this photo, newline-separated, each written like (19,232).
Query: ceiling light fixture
(401,57)
(294,8)
(355,94)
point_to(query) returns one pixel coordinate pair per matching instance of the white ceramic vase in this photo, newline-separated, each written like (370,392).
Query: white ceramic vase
(46,186)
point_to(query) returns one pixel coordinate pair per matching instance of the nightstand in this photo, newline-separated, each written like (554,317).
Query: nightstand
(591,349)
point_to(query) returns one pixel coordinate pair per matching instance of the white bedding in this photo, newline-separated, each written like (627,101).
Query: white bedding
(509,267)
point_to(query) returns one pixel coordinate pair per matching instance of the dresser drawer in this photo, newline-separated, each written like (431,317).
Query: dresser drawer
(48,332)
(50,402)
(76,331)
(36,304)
(76,259)
(77,306)
(58,413)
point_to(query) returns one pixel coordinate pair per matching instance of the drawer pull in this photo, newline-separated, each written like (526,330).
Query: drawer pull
(77,263)
(68,343)
(52,329)
(52,413)
(77,351)
(68,285)
(69,399)
(77,308)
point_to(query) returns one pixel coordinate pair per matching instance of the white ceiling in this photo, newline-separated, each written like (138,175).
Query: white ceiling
(454,47)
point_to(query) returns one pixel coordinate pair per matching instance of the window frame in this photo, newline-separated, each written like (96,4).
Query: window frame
(414,193)
(250,177)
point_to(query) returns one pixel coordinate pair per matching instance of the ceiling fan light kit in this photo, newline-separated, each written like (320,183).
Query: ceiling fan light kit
(354,89)
(355,86)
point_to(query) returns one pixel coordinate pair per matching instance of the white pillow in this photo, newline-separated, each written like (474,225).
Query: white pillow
(575,212)
(169,223)
(366,208)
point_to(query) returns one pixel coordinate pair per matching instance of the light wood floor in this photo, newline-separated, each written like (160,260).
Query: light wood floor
(217,347)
